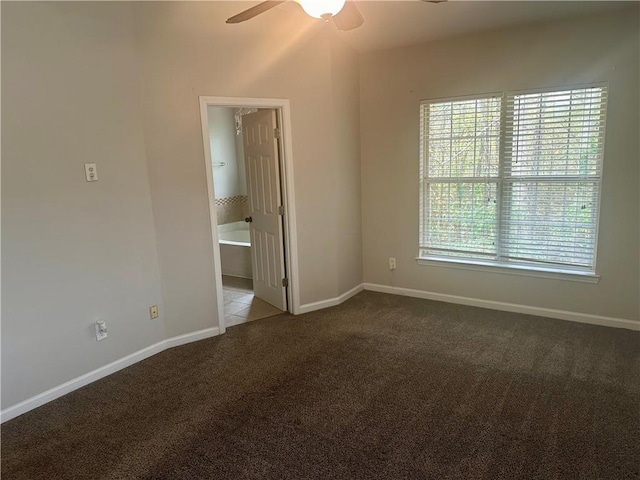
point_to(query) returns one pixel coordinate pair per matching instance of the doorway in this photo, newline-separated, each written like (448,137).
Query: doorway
(248,164)
(241,305)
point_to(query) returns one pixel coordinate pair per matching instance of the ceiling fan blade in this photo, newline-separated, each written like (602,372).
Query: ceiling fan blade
(254,11)
(349,17)
(434,1)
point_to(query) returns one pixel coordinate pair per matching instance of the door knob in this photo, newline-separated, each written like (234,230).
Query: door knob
(248,219)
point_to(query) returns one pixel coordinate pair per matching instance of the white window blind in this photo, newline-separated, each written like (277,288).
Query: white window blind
(513,178)
(460,179)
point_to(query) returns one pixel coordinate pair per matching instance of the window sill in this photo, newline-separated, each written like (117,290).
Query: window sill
(479,266)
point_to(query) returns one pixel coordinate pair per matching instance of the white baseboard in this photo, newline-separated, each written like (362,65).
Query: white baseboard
(98,373)
(331,302)
(191,337)
(508,307)
(237,274)
(81,381)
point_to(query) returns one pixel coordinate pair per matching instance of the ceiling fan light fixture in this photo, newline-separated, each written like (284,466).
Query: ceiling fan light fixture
(321,8)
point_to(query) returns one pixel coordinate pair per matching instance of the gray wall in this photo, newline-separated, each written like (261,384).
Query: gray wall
(118,84)
(72,251)
(345,192)
(590,49)
(183,47)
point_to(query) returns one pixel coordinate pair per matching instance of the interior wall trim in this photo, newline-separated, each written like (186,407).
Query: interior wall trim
(101,372)
(331,302)
(509,307)
(87,378)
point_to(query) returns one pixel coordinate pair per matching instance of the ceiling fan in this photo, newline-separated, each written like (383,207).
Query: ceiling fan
(344,14)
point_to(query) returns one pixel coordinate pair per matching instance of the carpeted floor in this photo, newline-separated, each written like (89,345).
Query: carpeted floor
(381,387)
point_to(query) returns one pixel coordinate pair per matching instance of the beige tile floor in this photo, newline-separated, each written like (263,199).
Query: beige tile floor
(240,305)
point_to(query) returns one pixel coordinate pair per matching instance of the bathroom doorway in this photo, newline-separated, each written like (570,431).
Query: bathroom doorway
(250,200)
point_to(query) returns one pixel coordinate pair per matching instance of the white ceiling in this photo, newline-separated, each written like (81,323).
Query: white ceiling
(399,23)
(394,23)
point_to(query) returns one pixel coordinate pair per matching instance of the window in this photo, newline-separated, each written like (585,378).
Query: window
(513,179)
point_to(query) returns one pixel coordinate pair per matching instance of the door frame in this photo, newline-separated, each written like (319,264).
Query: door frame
(283,112)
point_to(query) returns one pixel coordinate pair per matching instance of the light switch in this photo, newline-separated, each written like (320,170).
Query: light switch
(91,172)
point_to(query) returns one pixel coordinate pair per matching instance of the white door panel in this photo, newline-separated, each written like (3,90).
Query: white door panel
(263,190)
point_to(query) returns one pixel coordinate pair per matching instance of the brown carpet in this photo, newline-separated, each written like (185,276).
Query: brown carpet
(381,387)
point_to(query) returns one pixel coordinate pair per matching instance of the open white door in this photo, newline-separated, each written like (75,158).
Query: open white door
(261,156)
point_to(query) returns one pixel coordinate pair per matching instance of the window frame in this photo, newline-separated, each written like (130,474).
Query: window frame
(588,275)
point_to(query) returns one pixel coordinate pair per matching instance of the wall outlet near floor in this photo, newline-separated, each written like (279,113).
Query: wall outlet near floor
(153,311)
(392,263)
(101,330)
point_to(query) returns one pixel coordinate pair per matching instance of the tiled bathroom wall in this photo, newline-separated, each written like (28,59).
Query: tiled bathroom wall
(232,209)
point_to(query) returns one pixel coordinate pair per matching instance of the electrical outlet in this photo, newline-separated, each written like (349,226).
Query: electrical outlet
(392,263)
(153,311)
(101,330)
(91,172)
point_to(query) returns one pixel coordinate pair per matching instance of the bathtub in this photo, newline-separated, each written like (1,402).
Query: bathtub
(235,249)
